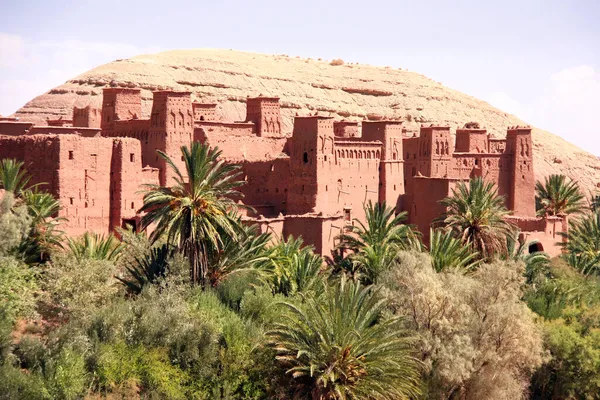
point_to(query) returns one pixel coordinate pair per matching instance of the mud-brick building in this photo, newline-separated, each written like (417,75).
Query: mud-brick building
(311,182)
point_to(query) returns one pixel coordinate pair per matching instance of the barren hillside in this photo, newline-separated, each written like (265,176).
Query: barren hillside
(306,86)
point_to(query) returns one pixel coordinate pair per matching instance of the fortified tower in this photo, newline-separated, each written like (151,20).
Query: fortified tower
(521,196)
(266,115)
(311,161)
(391,170)
(436,150)
(119,104)
(171,126)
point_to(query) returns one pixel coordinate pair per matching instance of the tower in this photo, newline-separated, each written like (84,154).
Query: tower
(435,149)
(119,104)
(391,170)
(311,160)
(521,196)
(266,115)
(171,126)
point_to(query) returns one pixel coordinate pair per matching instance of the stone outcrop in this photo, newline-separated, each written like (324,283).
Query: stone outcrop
(349,91)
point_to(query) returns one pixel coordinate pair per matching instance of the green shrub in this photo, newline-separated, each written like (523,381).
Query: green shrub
(17,385)
(78,286)
(120,366)
(18,289)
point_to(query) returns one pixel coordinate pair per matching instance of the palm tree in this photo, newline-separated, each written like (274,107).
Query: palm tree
(381,227)
(148,269)
(45,234)
(475,214)
(583,243)
(197,210)
(556,196)
(293,268)
(376,242)
(448,253)
(13,177)
(246,252)
(339,346)
(96,247)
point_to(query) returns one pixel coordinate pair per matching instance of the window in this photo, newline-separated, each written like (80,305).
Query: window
(272,167)
(347,214)
(305,158)
(71,155)
(132,205)
(131,157)
(71,200)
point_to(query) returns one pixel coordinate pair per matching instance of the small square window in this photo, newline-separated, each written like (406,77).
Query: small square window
(347,215)
(132,205)
(71,155)
(71,200)
(131,157)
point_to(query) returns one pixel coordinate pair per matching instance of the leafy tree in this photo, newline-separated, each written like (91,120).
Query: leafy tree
(338,346)
(476,338)
(583,243)
(196,211)
(94,246)
(448,253)
(475,214)
(556,196)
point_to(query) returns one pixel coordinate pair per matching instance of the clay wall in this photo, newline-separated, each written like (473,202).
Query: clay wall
(274,226)
(14,128)
(87,117)
(238,142)
(544,230)
(204,111)
(126,180)
(64,130)
(471,141)
(39,155)
(496,145)
(346,129)
(59,122)
(424,203)
(266,185)
(315,230)
(353,179)
(119,104)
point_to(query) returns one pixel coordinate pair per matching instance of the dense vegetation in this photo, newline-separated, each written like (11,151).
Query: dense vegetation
(207,308)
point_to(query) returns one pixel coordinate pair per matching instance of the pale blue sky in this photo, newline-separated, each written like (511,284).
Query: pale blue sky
(537,59)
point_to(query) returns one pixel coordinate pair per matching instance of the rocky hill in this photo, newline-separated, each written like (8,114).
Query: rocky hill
(305,86)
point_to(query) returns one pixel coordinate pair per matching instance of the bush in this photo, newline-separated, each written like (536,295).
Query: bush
(18,289)
(77,286)
(337,62)
(477,338)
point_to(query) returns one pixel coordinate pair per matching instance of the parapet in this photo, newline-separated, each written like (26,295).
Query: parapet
(346,129)
(204,111)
